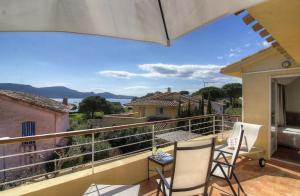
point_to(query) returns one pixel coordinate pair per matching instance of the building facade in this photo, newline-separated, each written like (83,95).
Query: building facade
(22,115)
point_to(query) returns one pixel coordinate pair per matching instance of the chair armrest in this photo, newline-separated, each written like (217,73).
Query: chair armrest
(222,163)
(222,151)
(162,177)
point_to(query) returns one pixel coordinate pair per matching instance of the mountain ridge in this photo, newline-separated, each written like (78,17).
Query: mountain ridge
(58,92)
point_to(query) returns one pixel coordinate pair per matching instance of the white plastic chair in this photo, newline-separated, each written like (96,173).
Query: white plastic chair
(251,132)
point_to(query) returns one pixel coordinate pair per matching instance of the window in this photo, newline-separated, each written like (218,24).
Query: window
(159,111)
(28,129)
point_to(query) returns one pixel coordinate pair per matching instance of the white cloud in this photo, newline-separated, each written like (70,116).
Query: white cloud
(266,44)
(159,70)
(220,57)
(117,74)
(178,71)
(137,88)
(231,55)
(263,43)
(247,45)
(234,52)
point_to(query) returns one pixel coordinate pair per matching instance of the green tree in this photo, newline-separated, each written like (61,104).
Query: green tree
(93,104)
(233,91)
(214,93)
(115,107)
(184,92)
(151,94)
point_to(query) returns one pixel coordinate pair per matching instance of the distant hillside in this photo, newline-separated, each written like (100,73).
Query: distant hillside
(58,91)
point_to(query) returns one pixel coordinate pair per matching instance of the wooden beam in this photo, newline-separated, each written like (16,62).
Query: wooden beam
(264,33)
(287,56)
(270,39)
(281,49)
(239,12)
(248,19)
(275,44)
(256,27)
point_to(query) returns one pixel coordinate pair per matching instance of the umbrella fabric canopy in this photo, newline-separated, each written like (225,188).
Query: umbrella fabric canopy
(159,21)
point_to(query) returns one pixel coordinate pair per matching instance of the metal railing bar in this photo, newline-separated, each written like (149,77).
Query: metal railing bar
(96,130)
(123,146)
(75,156)
(122,155)
(69,146)
(167,143)
(105,130)
(229,121)
(116,138)
(202,128)
(70,168)
(171,128)
(46,150)
(206,122)
(44,162)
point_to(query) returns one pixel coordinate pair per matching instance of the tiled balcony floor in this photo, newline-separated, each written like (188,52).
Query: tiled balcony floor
(287,154)
(275,179)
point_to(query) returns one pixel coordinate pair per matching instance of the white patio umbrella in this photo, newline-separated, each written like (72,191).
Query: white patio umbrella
(159,21)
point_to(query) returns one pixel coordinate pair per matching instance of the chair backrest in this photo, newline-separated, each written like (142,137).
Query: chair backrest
(251,132)
(236,149)
(192,166)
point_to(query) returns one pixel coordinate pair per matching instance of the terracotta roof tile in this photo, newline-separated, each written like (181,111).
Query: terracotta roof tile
(38,101)
(153,102)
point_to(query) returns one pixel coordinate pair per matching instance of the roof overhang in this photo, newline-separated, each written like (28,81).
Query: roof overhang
(236,68)
(282,20)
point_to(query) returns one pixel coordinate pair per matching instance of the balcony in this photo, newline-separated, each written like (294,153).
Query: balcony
(275,179)
(125,161)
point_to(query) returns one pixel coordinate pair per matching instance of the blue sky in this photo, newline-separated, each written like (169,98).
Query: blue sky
(95,63)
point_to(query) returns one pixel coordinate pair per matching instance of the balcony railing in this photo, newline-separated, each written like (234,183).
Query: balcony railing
(85,149)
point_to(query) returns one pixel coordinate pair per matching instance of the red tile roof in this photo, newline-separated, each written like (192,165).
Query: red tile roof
(35,100)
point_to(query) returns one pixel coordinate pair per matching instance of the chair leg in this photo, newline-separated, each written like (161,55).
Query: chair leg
(228,181)
(230,185)
(158,188)
(238,182)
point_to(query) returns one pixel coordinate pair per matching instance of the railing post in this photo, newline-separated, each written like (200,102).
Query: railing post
(214,124)
(190,126)
(222,127)
(153,139)
(93,151)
